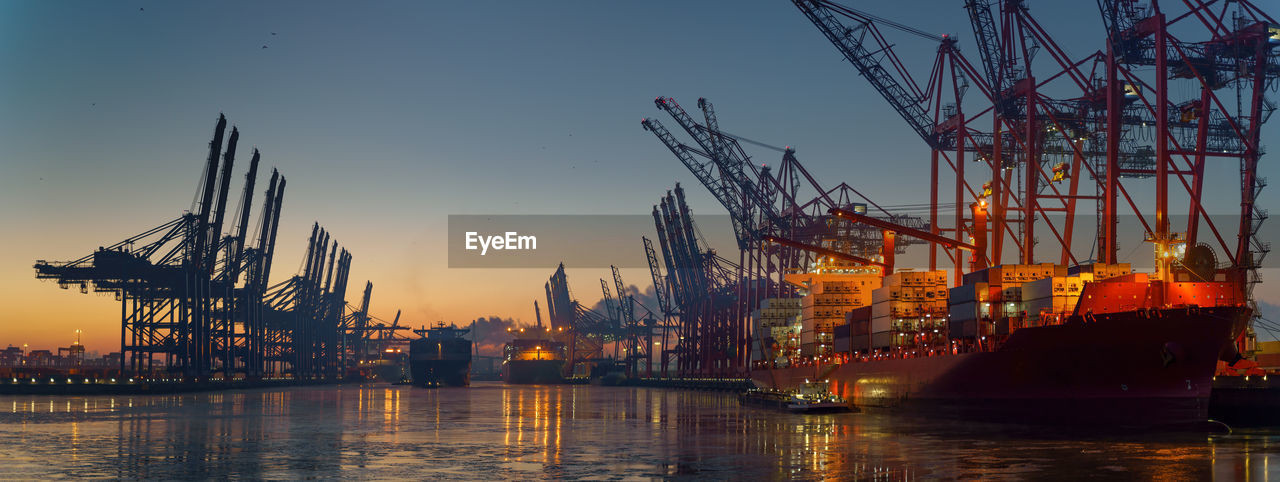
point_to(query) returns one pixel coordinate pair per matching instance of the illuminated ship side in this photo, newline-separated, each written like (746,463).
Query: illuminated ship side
(1127,350)
(440,357)
(533,357)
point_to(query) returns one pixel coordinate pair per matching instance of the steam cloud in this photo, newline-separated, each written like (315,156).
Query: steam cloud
(489,334)
(646,302)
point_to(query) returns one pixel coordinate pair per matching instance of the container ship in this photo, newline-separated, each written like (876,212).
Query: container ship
(389,368)
(533,357)
(1093,344)
(440,356)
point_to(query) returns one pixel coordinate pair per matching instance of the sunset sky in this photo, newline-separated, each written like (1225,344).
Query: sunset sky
(386,117)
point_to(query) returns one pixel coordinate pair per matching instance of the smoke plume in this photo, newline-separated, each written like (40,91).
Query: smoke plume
(646,302)
(489,334)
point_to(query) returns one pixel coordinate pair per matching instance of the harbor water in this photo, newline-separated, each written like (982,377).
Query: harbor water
(491,431)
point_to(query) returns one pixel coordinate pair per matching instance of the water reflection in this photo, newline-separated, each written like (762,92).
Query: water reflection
(493,431)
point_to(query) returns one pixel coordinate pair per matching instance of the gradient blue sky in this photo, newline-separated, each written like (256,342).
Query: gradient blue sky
(387,116)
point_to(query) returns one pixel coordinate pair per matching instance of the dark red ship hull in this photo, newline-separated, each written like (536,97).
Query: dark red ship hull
(1132,368)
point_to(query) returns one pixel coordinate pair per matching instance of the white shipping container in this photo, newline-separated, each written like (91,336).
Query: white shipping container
(894,279)
(1036,306)
(881,323)
(879,295)
(807,337)
(881,309)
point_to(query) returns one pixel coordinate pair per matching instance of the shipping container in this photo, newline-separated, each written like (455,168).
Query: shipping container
(860,327)
(964,294)
(963,328)
(894,279)
(840,340)
(883,339)
(1011,294)
(861,313)
(808,349)
(964,311)
(882,323)
(981,276)
(860,342)
(1042,288)
(886,293)
(883,309)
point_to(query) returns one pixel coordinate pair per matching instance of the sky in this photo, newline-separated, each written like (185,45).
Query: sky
(386,117)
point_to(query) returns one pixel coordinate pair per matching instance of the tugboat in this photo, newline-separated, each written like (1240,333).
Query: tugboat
(811,397)
(440,357)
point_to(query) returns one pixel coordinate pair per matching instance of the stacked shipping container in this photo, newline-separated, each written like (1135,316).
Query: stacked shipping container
(830,298)
(779,318)
(1051,296)
(1000,299)
(909,308)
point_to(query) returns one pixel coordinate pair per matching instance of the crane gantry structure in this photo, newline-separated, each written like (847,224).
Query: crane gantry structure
(1041,131)
(195,302)
(1067,118)
(780,222)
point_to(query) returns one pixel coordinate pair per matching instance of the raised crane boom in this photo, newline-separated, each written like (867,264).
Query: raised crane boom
(659,288)
(737,211)
(732,179)
(850,41)
(987,39)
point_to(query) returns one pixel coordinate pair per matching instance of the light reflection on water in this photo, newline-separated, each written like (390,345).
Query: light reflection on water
(492,431)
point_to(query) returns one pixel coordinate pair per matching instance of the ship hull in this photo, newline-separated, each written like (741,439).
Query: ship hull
(440,363)
(390,372)
(524,372)
(1132,368)
(450,373)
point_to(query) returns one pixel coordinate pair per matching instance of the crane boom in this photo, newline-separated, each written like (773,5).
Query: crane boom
(849,40)
(737,212)
(822,251)
(659,288)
